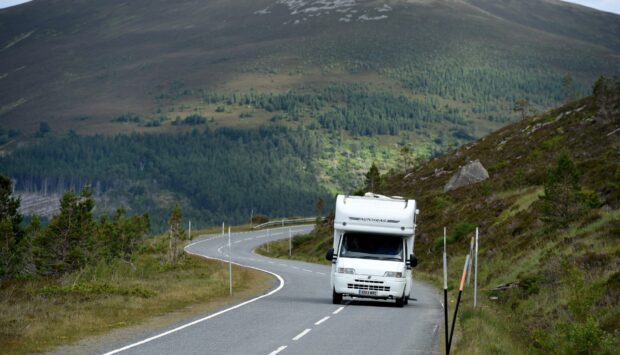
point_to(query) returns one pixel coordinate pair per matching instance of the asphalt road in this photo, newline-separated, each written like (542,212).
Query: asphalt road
(297,316)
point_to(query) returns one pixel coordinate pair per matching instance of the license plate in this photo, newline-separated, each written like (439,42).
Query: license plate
(368,293)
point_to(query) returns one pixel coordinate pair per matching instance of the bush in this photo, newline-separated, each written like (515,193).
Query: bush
(259,219)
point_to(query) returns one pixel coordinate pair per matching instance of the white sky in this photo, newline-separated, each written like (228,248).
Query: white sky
(8,3)
(605,5)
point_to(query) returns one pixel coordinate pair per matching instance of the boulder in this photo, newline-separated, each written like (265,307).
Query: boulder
(469,174)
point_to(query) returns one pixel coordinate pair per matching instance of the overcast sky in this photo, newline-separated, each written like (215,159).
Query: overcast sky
(605,5)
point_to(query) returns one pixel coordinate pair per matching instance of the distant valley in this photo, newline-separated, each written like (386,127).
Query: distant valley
(343,83)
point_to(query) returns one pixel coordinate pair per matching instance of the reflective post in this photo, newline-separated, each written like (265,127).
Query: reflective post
(229,263)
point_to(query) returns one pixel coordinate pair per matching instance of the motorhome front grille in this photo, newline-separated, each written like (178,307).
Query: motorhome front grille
(368,287)
(369,281)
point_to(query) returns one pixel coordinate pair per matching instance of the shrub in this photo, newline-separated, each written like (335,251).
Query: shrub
(562,193)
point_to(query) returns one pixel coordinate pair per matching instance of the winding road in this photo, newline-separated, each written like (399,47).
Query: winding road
(297,316)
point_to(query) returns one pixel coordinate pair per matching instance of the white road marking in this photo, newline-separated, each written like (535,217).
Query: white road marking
(278,350)
(307,270)
(322,320)
(282,264)
(300,335)
(321,273)
(238,241)
(338,310)
(280,279)
(295,267)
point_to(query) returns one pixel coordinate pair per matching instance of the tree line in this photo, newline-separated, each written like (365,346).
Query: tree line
(73,239)
(217,175)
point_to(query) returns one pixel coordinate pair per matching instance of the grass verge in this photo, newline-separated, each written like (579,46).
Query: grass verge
(39,315)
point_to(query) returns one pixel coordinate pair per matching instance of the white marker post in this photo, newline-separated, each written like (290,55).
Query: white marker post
(471,252)
(445,289)
(189,232)
(268,237)
(229,263)
(222,229)
(290,242)
(476,272)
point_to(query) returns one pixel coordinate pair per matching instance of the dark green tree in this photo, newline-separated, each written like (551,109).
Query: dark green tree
(522,106)
(373,179)
(67,242)
(44,128)
(119,237)
(562,193)
(11,233)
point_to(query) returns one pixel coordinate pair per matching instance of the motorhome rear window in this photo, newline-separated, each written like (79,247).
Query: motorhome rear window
(372,246)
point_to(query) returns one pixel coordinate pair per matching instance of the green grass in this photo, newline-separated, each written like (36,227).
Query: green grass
(567,283)
(525,198)
(39,315)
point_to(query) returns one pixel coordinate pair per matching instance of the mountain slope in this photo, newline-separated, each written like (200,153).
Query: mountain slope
(560,281)
(79,64)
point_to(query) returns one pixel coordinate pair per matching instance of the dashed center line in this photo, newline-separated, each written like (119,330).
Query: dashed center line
(338,310)
(322,320)
(278,350)
(307,270)
(300,335)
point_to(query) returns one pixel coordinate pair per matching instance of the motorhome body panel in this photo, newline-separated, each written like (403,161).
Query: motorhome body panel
(375,216)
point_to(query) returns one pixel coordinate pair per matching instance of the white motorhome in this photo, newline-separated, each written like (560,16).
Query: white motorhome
(373,254)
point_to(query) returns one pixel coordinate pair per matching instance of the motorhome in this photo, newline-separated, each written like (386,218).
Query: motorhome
(373,249)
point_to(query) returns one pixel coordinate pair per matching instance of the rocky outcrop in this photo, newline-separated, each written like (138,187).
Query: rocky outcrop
(469,174)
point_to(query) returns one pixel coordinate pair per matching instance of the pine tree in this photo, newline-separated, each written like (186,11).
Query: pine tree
(562,193)
(373,178)
(67,243)
(522,106)
(568,88)
(11,233)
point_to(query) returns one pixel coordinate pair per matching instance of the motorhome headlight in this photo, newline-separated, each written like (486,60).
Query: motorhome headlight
(393,274)
(346,270)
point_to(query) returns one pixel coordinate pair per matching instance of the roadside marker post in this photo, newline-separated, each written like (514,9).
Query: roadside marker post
(290,243)
(476,272)
(445,289)
(458,300)
(189,232)
(471,252)
(229,263)
(222,229)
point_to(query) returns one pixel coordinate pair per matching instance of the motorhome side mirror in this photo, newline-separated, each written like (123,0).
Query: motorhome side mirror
(413,261)
(330,254)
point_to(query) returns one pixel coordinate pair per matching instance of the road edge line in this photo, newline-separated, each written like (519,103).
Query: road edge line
(174,330)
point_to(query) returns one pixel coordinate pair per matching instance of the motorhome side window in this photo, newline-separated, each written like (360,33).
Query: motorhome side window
(372,246)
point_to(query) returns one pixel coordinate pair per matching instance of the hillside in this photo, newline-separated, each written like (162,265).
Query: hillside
(78,65)
(561,275)
(349,82)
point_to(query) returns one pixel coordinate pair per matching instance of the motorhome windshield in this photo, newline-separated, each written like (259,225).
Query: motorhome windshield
(372,246)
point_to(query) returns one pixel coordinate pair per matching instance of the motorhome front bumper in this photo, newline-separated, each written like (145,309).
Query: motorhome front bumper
(369,286)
